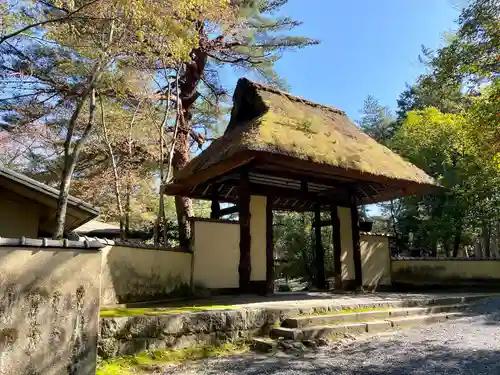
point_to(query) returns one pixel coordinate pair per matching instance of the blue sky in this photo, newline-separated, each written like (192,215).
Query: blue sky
(368,47)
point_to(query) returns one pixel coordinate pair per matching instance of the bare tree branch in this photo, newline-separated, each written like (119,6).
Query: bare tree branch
(41,23)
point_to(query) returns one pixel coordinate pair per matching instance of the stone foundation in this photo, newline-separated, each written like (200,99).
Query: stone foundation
(131,335)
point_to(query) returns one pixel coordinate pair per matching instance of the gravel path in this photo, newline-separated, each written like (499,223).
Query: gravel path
(469,345)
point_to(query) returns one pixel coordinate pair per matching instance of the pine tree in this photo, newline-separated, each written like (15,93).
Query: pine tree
(252,39)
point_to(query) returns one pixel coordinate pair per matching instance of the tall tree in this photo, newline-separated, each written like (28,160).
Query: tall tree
(446,147)
(53,75)
(252,39)
(471,58)
(377,121)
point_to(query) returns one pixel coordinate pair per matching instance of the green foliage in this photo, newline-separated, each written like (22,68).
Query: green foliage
(293,245)
(483,117)
(448,125)
(449,148)
(427,92)
(377,121)
(472,55)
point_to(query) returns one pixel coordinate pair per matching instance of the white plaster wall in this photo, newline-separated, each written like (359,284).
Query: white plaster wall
(346,243)
(375,260)
(258,238)
(49,307)
(216,254)
(131,274)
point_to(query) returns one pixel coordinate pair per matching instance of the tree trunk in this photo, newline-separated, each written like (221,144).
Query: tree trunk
(128,176)
(485,236)
(456,240)
(392,210)
(70,160)
(189,80)
(478,250)
(446,247)
(62,203)
(183,205)
(71,157)
(319,253)
(128,191)
(496,240)
(116,178)
(434,246)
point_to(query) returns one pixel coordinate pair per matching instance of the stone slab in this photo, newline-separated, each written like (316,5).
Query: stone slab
(315,332)
(421,319)
(264,345)
(378,326)
(287,333)
(319,320)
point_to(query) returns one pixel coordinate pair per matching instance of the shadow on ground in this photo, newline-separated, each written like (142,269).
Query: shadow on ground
(460,347)
(486,312)
(377,358)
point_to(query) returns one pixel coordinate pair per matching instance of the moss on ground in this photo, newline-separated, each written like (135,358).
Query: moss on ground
(118,312)
(348,311)
(147,362)
(123,311)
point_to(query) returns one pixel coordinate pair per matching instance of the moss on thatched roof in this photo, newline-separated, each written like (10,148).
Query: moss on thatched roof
(268,120)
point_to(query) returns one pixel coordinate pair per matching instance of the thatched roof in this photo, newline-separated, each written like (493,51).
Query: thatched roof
(266,120)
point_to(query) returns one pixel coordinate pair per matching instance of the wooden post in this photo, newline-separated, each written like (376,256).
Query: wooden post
(244,268)
(337,247)
(319,251)
(215,209)
(358,268)
(215,206)
(269,247)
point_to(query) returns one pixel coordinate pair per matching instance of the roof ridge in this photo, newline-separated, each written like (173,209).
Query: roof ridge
(295,98)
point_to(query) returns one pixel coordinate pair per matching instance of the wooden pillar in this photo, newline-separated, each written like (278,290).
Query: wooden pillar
(269,247)
(337,247)
(215,206)
(244,268)
(215,209)
(358,268)
(319,257)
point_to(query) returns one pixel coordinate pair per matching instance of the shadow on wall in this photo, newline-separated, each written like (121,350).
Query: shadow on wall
(376,264)
(447,272)
(375,260)
(138,275)
(49,302)
(421,273)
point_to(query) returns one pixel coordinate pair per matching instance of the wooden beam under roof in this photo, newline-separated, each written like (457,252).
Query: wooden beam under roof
(229,210)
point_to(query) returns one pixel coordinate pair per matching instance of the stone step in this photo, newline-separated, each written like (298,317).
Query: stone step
(314,333)
(410,321)
(328,319)
(285,333)
(446,300)
(376,326)
(264,344)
